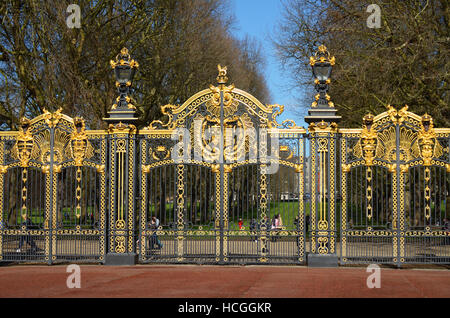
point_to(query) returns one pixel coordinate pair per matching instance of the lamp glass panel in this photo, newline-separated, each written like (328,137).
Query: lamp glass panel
(123,74)
(322,72)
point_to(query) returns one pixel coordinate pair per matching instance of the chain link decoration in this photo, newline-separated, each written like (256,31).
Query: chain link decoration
(143,218)
(180,210)
(217,220)
(131,180)
(2,174)
(344,199)
(332,194)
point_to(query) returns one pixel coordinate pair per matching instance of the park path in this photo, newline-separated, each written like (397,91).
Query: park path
(188,281)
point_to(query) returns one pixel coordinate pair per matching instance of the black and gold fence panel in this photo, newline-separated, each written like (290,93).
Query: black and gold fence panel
(395,176)
(53,187)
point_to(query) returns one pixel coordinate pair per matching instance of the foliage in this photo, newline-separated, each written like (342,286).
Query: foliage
(406,61)
(178,44)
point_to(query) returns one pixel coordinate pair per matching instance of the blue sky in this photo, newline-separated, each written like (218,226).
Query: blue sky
(258,19)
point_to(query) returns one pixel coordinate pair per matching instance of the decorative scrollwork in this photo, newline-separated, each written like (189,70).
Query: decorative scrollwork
(368,140)
(52,119)
(166,110)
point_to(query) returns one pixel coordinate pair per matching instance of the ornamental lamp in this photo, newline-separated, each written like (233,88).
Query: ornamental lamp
(322,65)
(124,67)
(123,109)
(322,109)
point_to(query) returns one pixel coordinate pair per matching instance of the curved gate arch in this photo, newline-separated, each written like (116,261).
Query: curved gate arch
(224,142)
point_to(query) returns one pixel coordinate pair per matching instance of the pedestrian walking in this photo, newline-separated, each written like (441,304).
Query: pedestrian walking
(27,238)
(154,240)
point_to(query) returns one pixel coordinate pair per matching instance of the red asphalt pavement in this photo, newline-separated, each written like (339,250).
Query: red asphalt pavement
(220,282)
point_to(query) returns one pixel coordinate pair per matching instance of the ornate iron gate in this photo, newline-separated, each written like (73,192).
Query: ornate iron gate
(214,196)
(220,181)
(394,190)
(53,191)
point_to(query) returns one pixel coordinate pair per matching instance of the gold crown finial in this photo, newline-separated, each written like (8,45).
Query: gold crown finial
(426,117)
(427,120)
(124,51)
(124,58)
(322,56)
(322,48)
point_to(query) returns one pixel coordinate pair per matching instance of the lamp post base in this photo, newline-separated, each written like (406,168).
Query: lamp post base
(115,259)
(319,260)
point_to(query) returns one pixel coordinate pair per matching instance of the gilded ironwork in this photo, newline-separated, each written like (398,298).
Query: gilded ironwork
(322,55)
(52,119)
(390,197)
(407,146)
(428,144)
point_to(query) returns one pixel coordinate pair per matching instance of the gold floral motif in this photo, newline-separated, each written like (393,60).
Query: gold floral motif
(385,146)
(52,119)
(346,167)
(100,168)
(230,105)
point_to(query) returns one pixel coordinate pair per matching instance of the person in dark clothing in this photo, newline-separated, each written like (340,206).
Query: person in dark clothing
(253,229)
(446,228)
(296,224)
(268,225)
(307,223)
(154,240)
(27,238)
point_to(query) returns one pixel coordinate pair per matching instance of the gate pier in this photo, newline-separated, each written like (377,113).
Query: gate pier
(323,130)
(122,140)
